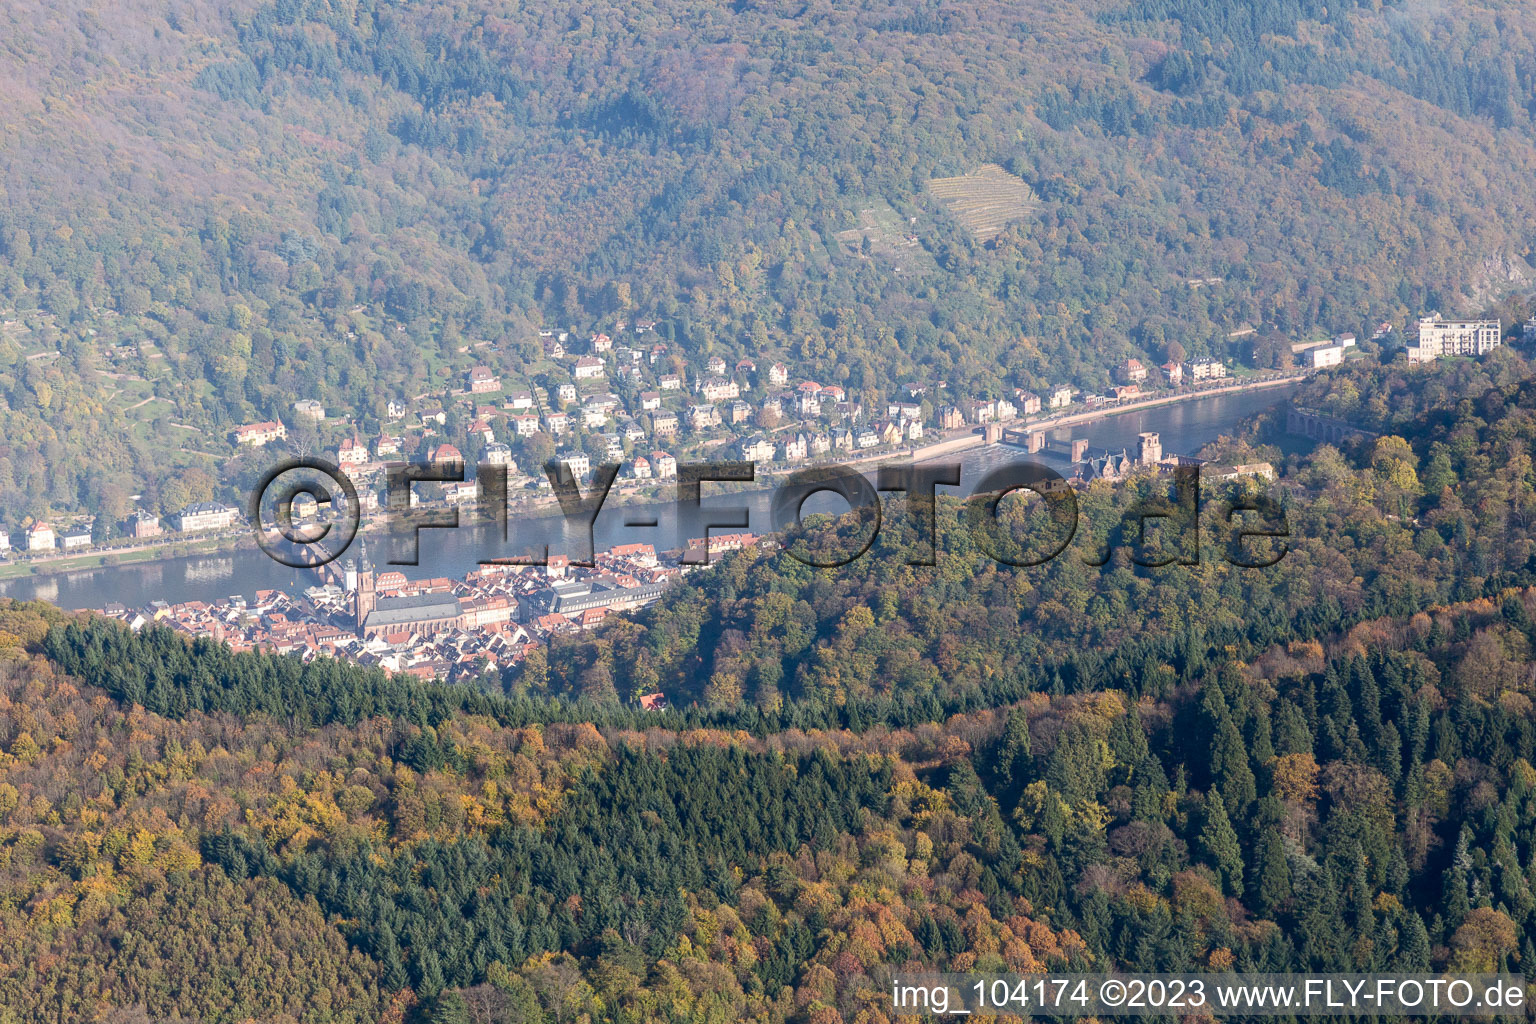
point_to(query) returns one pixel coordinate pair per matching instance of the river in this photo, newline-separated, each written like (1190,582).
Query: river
(1185,428)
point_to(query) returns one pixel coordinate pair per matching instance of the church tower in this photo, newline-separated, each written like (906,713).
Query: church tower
(365,598)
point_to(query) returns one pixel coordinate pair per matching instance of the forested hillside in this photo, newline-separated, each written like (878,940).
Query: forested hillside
(1359,802)
(1438,508)
(213,209)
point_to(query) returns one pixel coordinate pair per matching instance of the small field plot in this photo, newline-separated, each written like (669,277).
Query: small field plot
(985,200)
(885,234)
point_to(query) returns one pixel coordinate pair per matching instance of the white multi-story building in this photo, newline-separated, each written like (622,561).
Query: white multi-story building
(1439,337)
(1319,356)
(719,389)
(1205,369)
(757,449)
(352,452)
(258,434)
(206,515)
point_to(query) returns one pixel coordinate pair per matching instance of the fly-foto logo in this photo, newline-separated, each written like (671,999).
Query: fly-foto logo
(1158,530)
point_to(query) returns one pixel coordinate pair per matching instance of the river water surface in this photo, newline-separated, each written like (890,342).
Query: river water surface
(1185,427)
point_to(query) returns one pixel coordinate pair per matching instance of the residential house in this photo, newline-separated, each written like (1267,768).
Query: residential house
(641,468)
(444,453)
(670,382)
(702,417)
(524,424)
(309,409)
(520,401)
(498,454)
(714,366)
(738,412)
(76,537)
(258,434)
(352,452)
(778,374)
(577,463)
(433,417)
(142,526)
(1173,374)
(600,343)
(462,492)
(1131,371)
(565,393)
(951,418)
(808,399)
(387,445)
(589,368)
(650,401)
(1028,402)
(797,448)
(664,424)
(718,389)
(664,465)
(1061,397)
(556,423)
(482,380)
(40,537)
(1126,392)
(757,449)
